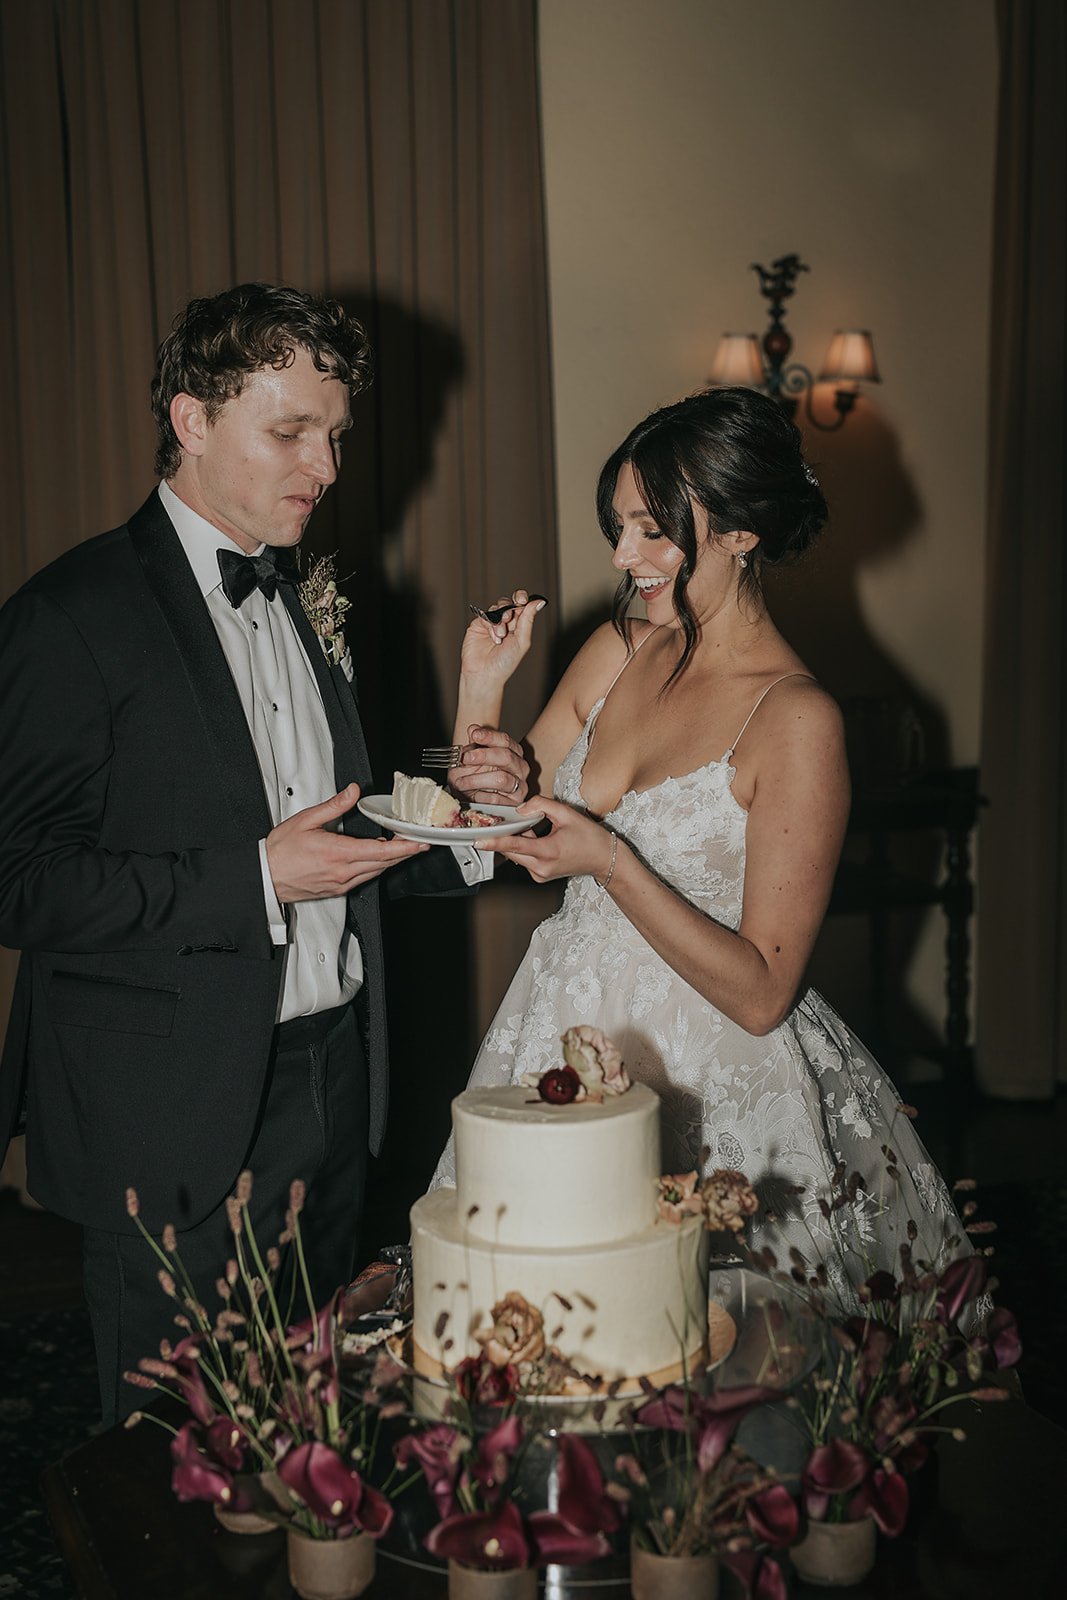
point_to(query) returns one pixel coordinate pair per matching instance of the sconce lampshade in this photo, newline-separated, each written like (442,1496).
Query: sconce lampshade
(738,360)
(850,358)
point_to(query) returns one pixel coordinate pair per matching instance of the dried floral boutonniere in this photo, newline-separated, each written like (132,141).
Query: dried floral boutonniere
(326,607)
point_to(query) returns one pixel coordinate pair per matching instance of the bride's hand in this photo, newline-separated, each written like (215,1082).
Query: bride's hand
(492,650)
(576,843)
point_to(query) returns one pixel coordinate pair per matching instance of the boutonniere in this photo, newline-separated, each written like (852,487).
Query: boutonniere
(326,607)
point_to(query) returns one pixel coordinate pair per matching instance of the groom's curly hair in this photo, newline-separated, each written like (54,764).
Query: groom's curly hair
(216,343)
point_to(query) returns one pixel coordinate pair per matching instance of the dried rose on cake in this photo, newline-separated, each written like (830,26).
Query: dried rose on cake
(596,1061)
(729,1200)
(517,1334)
(678,1197)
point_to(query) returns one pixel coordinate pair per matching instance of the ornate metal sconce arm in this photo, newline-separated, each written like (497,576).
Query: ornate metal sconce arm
(795,380)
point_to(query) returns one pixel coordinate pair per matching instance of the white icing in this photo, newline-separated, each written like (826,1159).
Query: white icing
(531,1174)
(422,801)
(558,1203)
(637,1305)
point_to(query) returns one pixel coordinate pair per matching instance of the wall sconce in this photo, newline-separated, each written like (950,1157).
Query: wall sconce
(739,358)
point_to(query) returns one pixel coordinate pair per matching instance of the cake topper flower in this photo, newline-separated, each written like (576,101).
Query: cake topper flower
(593,1069)
(596,1061)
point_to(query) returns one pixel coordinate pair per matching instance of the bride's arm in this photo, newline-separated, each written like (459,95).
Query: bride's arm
(796,825)
(490,653)
(563,717)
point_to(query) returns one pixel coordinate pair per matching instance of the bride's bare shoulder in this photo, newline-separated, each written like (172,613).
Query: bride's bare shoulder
(600,658)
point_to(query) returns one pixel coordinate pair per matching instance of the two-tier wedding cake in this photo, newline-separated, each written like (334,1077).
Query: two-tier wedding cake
(558,1204)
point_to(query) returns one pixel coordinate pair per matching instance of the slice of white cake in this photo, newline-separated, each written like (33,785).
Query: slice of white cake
(422,801)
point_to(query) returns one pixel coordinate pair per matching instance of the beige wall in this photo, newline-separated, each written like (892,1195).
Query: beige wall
(686,139)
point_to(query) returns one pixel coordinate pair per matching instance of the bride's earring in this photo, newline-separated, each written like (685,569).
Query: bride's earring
(742,558)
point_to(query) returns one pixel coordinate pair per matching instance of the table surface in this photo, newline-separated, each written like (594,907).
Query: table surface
(988,1521)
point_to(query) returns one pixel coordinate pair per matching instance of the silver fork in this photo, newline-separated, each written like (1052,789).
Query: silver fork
(441,755)
(498,613)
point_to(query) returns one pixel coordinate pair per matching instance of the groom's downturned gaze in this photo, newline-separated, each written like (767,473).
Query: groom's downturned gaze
(182,864)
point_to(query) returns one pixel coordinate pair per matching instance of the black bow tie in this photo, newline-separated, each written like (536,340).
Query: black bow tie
(242,574)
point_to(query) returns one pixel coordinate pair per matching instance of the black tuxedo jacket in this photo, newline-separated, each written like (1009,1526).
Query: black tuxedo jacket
(131,806)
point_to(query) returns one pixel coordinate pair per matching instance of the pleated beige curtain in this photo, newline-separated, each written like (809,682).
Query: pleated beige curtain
(385,151)
(1021,1033)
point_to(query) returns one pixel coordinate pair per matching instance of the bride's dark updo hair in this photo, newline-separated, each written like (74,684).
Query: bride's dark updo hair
(737,454)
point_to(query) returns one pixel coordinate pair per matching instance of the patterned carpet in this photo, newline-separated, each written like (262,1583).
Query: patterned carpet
(49,1406)
(49,1402)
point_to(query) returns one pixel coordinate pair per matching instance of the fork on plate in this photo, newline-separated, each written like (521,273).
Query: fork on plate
(441,755)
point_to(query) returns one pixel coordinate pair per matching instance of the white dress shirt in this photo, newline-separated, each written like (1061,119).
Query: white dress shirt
(286,719)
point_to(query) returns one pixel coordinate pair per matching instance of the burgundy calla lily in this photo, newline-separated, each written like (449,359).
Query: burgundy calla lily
(333,1491)
(961,1282)
(195,1476)
(489,1470)
(884,1496)
(672,1408)
(760,1575)
(437,1451)
(226,1444)
(773,1516)
(557,1541)
(719,1416)
(577,1531)
(313,1343)
(583,1504)
(493,1540)
(190,1380)
(1002,1338)
(833,1468)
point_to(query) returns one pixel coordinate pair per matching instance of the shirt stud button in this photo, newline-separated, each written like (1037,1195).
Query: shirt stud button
(289,791)
(255,627)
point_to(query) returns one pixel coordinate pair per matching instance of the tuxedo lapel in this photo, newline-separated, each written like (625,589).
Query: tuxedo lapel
(170,578)
(351,762)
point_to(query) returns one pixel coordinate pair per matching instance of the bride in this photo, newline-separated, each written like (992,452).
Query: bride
(694,775)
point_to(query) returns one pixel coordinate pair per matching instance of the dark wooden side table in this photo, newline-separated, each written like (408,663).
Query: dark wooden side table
(987,1524)
(945,803)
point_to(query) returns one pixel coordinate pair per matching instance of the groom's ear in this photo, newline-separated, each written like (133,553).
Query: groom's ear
(188,418)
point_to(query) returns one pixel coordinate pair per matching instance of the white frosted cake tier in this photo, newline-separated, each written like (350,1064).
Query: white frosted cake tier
(529,1173)
(637,1305)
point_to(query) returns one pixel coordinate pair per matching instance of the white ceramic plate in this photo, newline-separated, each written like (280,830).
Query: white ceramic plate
(379,808)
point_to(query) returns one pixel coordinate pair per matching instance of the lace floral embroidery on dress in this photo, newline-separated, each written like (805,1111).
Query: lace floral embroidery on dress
(784,1108)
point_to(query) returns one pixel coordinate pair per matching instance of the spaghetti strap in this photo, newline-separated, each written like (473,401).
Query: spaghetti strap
(728,754)
(598,708)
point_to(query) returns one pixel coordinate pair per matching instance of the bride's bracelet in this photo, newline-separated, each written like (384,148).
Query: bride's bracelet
(611,866)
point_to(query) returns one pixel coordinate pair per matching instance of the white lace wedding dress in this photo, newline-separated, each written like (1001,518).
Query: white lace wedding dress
(784,1108)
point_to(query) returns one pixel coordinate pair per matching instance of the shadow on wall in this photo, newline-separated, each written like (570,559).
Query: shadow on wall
(389,461)
(893,727)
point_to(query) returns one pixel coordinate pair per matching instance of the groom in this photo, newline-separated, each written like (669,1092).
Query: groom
(182,864)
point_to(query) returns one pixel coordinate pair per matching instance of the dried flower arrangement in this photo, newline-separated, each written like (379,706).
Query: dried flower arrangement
(266,1394)
(694,1491)
(922,1338)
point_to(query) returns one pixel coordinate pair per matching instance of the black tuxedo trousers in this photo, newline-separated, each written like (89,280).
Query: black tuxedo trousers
(130,812)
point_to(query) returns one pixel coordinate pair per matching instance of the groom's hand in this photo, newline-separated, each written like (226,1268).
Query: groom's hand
(308,861)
